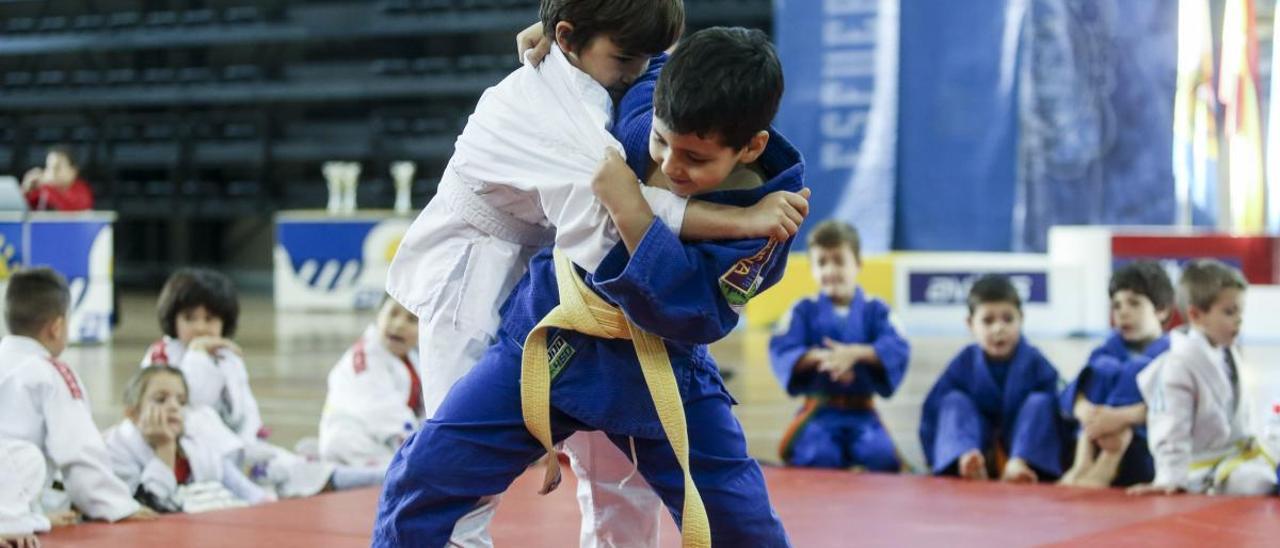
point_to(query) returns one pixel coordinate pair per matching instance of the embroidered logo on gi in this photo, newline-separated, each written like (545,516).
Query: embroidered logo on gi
(69,378)
(558,355)
(740,283)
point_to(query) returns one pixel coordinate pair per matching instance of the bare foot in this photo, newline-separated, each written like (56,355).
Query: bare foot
(973,466)
(63,518)
(1017,471)
(19,541)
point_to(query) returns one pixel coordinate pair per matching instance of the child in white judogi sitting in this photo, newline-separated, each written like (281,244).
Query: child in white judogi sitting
(1196,419)
(43,403)
(375,396)
(198,312)
(162,445)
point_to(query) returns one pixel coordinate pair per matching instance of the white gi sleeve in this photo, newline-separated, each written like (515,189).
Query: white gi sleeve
(76,448)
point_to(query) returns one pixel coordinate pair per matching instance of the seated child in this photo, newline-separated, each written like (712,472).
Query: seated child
(1111,448)
(1195,412)
(838,350)
(162,445)
(992,412)
(705,125)
(43,402)
(375,397)
(58,186)
(21,484)
(198,312)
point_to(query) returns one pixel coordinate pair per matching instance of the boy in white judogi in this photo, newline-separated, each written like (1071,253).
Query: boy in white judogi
(375,398)
(162,444)
(44,403)
(1198,431)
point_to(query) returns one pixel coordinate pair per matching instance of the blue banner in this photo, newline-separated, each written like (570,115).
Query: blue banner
(1096,98)
(839,58)
(957,151)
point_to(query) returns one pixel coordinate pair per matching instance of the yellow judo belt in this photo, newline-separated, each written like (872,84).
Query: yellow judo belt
(583,311)
(1246,450)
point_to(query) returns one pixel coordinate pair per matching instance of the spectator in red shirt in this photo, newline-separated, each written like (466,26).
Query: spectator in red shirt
(58,185)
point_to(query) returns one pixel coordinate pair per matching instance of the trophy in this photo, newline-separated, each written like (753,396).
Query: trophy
(333,176)
(402,173)
(349,186)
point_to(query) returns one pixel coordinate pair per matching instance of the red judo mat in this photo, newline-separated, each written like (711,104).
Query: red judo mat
(819,508)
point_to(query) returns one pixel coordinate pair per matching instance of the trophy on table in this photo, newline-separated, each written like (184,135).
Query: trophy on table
(333,175)
(402,173)
(349,182)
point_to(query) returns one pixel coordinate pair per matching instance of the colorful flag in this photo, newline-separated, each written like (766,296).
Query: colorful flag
(1238,91)
(1195,128)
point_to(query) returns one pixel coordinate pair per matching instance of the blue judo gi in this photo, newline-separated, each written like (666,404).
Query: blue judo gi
(688,294)
(1003,409)
(838,426)
(1110,377)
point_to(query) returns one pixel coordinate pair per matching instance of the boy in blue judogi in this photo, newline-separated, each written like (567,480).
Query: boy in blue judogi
(993,412)
(1104,398)
(838,350)
(706,137)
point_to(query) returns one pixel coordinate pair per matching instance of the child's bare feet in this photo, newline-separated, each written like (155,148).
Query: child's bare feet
(1107,465)
(63,518)
(973,466)
(19,541)
(1017,471)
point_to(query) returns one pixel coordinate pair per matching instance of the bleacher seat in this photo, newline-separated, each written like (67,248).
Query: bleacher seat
(85,77)
(56,23)
(198,17)
(124,19)
(50,134)
(241,14)
(158,75)
(389,67)
(51,78)
(195,75)
(162,18)
(121,76)
(396,6)
(431,65)
(20,24)
(18,79)
(89,21)
(239,73)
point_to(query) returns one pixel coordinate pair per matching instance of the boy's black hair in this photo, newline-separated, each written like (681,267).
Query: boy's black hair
(192,287)
(1203,280)
(35,297)
(831,234)
(993,288)
(638,27)
(720,81)
(1146,278)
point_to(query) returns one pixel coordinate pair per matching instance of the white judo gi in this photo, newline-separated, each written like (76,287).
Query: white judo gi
(43,402)
(221,383)
(520,180)
(1197,424)
(367,412)
(21,482)
(218,381)
(211,449)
